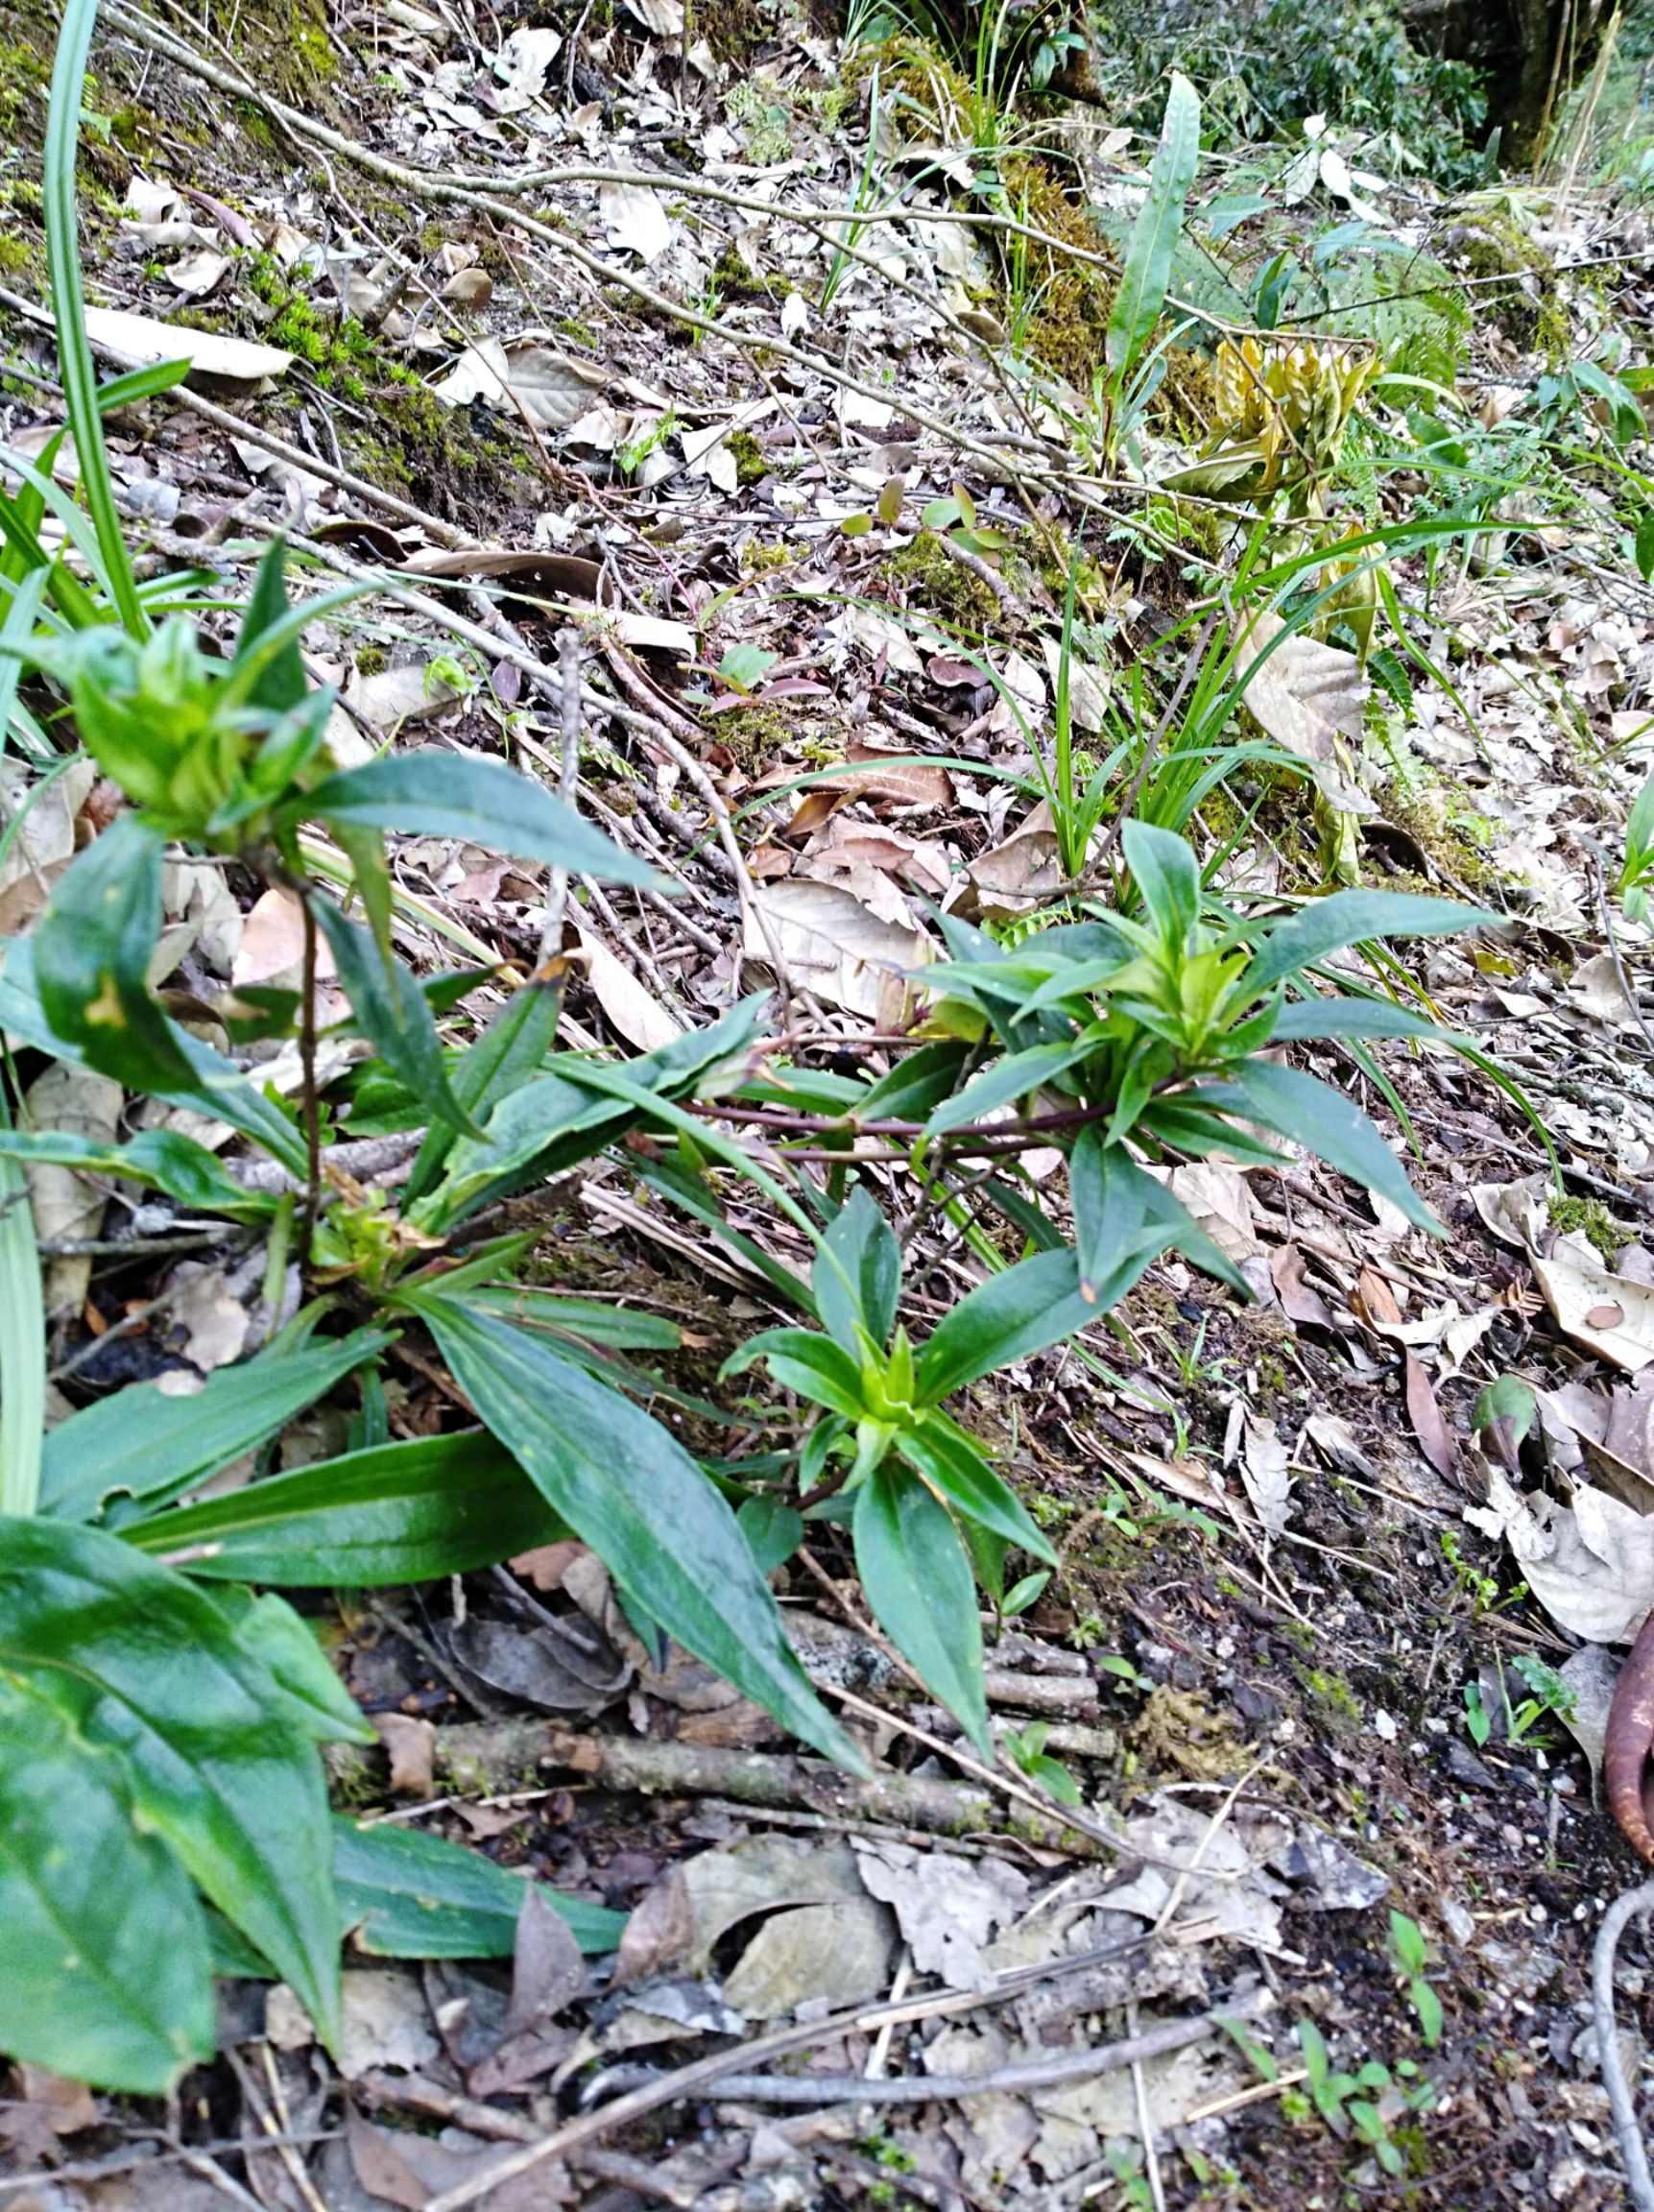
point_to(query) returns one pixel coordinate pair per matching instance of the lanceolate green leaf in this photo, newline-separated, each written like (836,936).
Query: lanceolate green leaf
(214,1086)
(1351,918)
(104,1969)
(1113,1221)
(918,1580)
(814,1365)
(857,1274)
(407,1895)
(143,1662)
(142,1443)
(404,1512)
(627,1487)
(1034,1304)
(165,1159)
(1167,879)
(394,1014)
(1012,1077)
(502,1060)
(92,947)
(1324,1122)
(1154,235)
(950,1463)
(463,795)
(1337,1017)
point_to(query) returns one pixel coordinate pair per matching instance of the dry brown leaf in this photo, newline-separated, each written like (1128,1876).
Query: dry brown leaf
(1266,1474)
(641,1015)
(412,1745)
(1297,1301)
(836,946)
(1219,1198)
(1436,1440)
(1590,1563)
(1022,867)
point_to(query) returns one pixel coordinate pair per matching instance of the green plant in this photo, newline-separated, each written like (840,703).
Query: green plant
(924,1506)
(649,439)
(1482,1590)
(1351,2105)
(1136,314)
(159,1719)
(1549,1693)
(1637,870)
(1410,1956)
(1027,1747)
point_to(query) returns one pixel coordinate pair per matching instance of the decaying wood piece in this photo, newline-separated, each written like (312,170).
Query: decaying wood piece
(486,1758)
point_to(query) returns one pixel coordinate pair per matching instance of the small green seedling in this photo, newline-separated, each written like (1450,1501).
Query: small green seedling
(1410,1956)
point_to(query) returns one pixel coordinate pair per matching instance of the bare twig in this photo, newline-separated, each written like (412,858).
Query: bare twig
(1622,2103)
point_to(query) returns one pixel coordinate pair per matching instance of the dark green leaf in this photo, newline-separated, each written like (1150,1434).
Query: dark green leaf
(413,1896)
(773,1529)
(144,1663)
(165,1159)
(627,1487)
(918,1082)
(814,1365)
(919,1583)
(404,1512)
(1192,1121)
(1034,1304)
(1012,1077)
(282,684)
(214,1087)
(394,1014)
(541,1127)
(592,1320)
(949,1462)
(140,1441)
(1351,918)
(92,948)
(103,1968)
(1328,1017)
(1111,1200)
(463,795)
(1315,1115)
(1153,237)
(1167,877)
(503,1058)
(857,1274)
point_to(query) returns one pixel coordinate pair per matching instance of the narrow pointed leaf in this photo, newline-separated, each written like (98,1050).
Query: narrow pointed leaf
(949,1462)
(152,1447)
(92,948)
(1322,1120)
(1352,918)
(813,1364)
(1011,1316)
(1012,1077)
(857,1274)
(463,795)
(408,1895)
(1153,237)
(918,1580)
(1164,870)
(404,1512)
(394,1014)
(628,1488)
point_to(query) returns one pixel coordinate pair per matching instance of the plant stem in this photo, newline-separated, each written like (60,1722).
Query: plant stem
(312,1105)
(69,311)
(22,1343)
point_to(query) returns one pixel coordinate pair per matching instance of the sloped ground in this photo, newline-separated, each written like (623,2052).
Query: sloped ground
(558,352)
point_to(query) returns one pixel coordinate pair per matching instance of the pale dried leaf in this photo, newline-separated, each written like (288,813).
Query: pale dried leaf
(836,946)
(637,220)
(1590,1564)
(641,1015)
(1305,694)
(1266,1475)
(520,374)
(411,1746)
(208,352)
